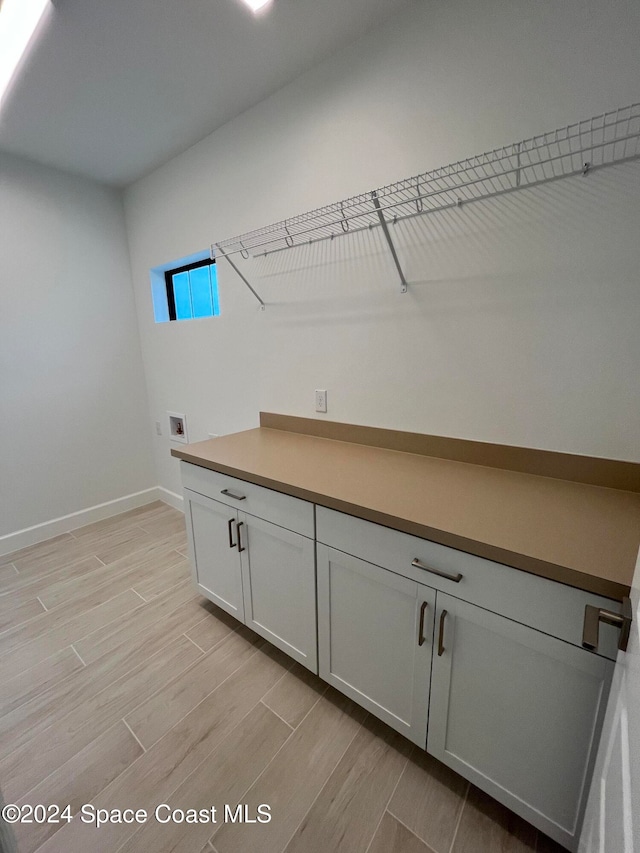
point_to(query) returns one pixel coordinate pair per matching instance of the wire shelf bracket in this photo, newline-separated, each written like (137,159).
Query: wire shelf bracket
(578,149)
(232,264)
(392,248)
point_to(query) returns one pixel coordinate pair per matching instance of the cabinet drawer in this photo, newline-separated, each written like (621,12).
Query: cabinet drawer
(292,513)
(546,605)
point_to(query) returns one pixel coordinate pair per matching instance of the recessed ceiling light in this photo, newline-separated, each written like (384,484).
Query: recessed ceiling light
(18,22)
(256,5)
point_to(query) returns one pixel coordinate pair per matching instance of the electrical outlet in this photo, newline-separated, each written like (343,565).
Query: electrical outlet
(158,428)
(321,401)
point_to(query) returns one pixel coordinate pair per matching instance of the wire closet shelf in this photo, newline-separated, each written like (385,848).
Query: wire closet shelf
(578,149)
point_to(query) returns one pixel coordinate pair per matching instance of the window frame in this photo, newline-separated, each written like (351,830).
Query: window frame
(168,281)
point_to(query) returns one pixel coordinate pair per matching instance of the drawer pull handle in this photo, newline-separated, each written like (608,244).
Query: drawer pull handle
(238,526)
(593,616)
(441,634)
(421,636)
(232,544)
(418,565)
(231,495)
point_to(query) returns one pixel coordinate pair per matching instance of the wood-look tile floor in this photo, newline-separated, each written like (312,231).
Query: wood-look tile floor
(123,689)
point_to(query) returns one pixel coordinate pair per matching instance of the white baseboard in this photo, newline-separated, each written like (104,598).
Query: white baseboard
(171,498)
(39,532)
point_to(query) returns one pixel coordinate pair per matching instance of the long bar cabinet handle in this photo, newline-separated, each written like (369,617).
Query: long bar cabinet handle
(421,636)
(593,616)
(441,634)
(231,495)
(238,526)
(232,544)
(418,565)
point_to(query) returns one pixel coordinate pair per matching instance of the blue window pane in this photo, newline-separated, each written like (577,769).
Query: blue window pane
(201,292)
(182,296)
(214,290)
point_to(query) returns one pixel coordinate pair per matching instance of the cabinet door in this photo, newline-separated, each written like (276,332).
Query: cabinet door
(211,531)
(371,646)
(516,712)
(279,580)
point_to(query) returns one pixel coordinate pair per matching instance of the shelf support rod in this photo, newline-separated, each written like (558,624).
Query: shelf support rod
(228,259)
(392,248)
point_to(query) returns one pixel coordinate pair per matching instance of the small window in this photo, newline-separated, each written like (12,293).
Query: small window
(192,291)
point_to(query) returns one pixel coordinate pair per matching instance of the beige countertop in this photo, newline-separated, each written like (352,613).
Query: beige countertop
(577,533)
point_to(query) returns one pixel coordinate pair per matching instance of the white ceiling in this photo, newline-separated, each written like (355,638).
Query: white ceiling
(114,88)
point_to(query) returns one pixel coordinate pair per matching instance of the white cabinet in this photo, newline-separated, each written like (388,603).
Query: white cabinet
(211,531)
(375,635)
(261,572)
(516,712)
(515,703)
(480,664)
(278,576)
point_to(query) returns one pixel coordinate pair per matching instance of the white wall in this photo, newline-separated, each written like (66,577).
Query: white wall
(74,425)
(521,320)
